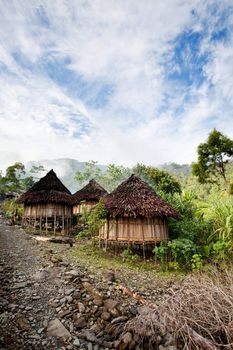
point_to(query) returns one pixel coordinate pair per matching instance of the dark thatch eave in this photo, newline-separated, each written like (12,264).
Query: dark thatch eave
(91,192)
(135,198)
(49,189)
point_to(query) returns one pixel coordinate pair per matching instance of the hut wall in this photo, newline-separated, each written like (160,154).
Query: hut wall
(48,217)
(134,230)
(49,210)
(85,206)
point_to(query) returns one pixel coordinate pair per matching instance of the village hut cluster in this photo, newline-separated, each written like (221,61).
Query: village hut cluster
(135,213)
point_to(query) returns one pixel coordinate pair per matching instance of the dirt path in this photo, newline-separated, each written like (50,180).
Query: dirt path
(27,285)
(46,302)
(49,301)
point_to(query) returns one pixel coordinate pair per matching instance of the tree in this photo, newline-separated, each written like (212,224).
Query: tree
(15,179)
(90,171)
(213,156)
(113,176)
(109,179)
(160,180)
(12,179)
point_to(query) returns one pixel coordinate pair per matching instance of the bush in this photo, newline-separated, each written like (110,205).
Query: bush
(90,222)
(129,256)
(180,251)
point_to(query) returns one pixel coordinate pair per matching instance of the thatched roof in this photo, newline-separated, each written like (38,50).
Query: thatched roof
(91,192)
(134,198)
(48,189)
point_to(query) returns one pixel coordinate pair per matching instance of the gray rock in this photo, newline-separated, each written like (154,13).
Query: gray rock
(81,307)
(80,322)
(119,319)
(64,313)
(20,285)
(40,330)
(57,329)
(34,336)
(110,304)
(72,273)
(69,299)
(63,300)
(69,291)
(76,342)
(98,300)
(105,316)
(89,346)
(90,336)
(109,276)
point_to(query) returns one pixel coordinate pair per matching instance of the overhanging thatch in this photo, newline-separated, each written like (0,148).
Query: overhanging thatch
(91,192)
(49,189)
(134,198)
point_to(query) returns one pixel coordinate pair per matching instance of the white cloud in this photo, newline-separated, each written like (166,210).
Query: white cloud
(122,44)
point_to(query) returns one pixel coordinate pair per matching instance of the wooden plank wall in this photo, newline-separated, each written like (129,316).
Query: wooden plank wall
(134,230)
(80,208)
(49,210)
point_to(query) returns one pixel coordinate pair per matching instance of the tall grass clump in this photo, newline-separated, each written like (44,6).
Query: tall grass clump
(198,316)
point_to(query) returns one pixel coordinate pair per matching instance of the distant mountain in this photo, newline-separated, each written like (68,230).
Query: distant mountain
(65,169)
(182,170)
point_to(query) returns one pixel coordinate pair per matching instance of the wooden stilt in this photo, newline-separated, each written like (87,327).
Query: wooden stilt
(54,224)
(46,223)
(155,252)
(117,230)
(63,222)
(107,236)
(143,245)
(35,218)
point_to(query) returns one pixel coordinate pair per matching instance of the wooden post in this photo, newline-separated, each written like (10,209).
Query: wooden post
(143,244)
(40,223)
(107,235)
(54,222)
(144,253)
(70,222)
(116,241)
(46,221)
(35,218)
(63,220)
(128,233)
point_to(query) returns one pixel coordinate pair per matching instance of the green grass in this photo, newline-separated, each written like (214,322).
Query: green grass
(97,261)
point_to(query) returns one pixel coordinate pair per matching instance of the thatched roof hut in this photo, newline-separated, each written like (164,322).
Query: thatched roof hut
(136,213)
(88,197)
(48,203)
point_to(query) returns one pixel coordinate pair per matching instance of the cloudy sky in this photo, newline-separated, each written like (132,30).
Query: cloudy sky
(121,81)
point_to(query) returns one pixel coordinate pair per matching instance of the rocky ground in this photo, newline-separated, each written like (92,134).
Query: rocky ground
(49,302)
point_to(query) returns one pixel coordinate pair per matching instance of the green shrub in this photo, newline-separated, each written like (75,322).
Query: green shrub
(222,250)
(90,222)
(129,256)
(196,262)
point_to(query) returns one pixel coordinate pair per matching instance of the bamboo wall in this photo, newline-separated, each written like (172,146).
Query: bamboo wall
(83,207)
(49,210)
(134,230)
(49,217)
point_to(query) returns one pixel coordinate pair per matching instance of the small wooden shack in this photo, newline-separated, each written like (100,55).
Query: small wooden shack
(48,205)
(87,197)
(136,214)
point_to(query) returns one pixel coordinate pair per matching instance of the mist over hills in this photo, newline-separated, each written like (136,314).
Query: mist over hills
(66,168)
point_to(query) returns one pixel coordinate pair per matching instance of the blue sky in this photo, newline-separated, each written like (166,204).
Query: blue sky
(114,81)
